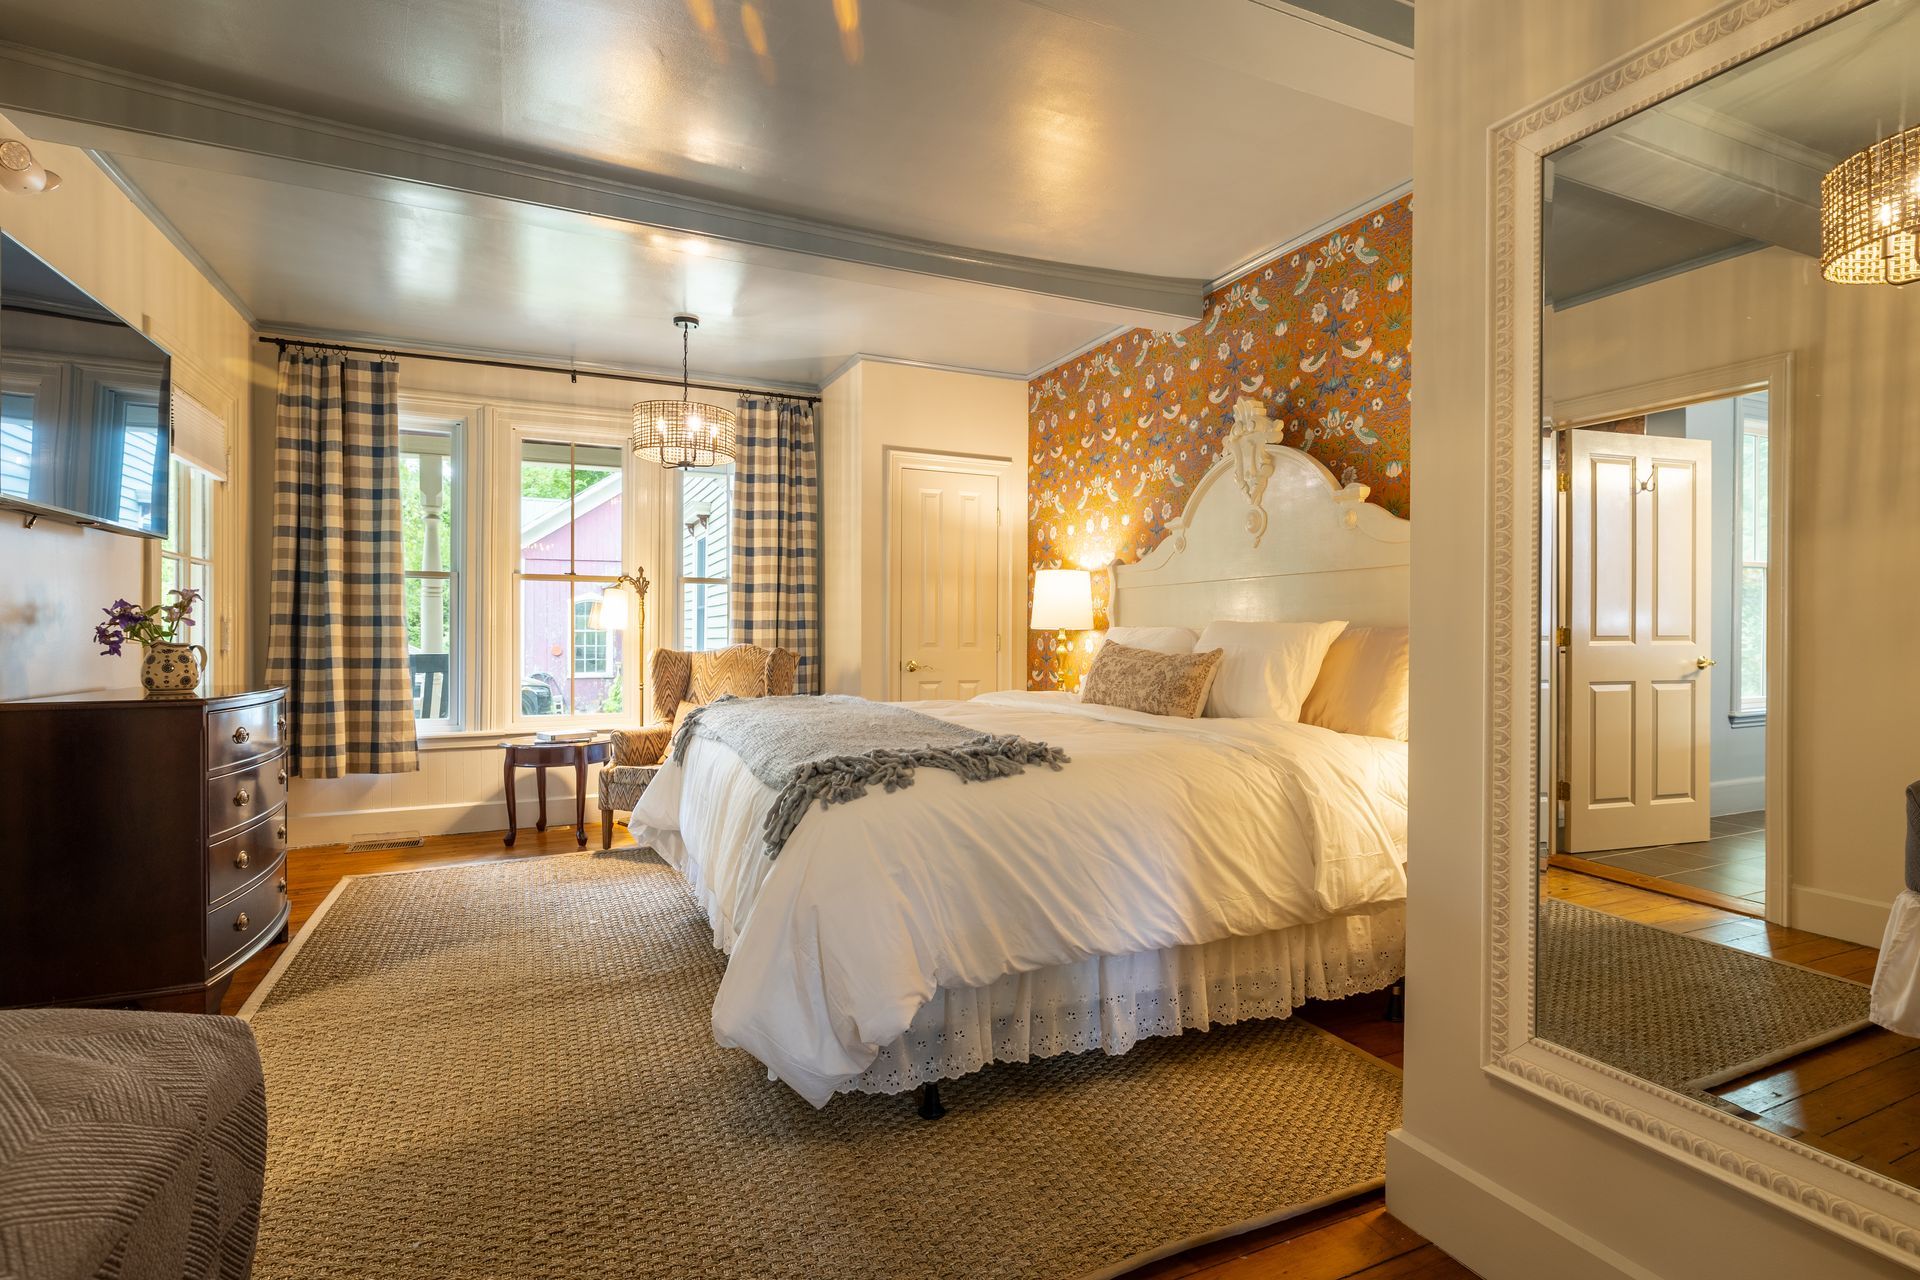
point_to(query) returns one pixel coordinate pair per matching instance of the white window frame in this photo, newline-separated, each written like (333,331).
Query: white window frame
(425,416)
(680,580)
(1748,711)
(181,478)
(509,428)
(582,626)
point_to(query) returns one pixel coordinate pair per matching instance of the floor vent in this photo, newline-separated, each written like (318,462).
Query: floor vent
(387,840)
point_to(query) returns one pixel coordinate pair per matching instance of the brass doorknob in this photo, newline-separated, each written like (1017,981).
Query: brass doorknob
(913,666)
(1703,663)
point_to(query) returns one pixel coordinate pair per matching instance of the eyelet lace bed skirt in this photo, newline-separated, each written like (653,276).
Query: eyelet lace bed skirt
(1111,1002)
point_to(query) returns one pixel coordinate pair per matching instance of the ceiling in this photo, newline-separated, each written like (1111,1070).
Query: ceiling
(980,183)
(1732,164)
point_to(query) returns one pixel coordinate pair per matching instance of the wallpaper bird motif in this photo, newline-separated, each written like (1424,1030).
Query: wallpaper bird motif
(1118,436)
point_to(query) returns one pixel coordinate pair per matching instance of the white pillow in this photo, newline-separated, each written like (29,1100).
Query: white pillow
(1157,639)
(1268,668)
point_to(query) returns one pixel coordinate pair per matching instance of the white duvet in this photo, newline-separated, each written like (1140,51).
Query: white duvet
(1161,832)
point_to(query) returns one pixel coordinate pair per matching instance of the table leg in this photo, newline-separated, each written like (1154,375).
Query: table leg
(513,817)
(580,796)
(540,785)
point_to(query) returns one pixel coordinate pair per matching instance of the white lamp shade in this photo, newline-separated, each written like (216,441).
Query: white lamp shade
(1062,600)
(612,612)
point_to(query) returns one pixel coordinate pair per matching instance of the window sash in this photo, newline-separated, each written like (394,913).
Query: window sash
(1747,695)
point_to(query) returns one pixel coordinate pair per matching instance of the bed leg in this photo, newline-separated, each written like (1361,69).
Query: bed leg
(1397,1001)
(930,1108)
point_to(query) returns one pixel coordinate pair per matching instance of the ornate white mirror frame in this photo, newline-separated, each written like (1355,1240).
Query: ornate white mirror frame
(1875,1211)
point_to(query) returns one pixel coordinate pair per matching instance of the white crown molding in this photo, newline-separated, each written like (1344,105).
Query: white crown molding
(1251,264)
(1863,1206)
(859,357)
(669,378)
(58,88)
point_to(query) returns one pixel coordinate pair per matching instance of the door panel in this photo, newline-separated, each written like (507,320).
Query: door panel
(946,583)
(1639,564)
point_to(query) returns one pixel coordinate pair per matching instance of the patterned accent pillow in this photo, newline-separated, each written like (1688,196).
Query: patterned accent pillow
(1160,684)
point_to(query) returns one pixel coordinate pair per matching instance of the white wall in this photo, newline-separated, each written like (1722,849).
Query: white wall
(871,409)
(1512,1185)
(1853,614)
(57,577)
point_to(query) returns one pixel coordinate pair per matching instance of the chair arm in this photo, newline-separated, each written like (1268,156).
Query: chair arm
(646,746)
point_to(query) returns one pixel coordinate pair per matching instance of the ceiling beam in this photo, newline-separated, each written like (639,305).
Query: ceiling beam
(60,89)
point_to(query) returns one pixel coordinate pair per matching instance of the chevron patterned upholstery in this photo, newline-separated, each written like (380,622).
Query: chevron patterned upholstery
(680,679)
(131,1145)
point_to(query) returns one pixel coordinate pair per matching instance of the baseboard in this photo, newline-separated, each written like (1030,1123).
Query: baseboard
(1840,915)
(1736,795)
(1486,1227)
(307,829)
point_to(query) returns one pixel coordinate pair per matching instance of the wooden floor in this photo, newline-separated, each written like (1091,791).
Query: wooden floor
(1858,1098)
(1357,1238)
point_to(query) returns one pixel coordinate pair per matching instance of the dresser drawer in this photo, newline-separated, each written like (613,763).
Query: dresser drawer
(233,862)
(239,734)
(237,798)
(239,924)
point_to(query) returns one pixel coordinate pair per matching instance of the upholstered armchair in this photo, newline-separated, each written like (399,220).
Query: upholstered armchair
(679,681)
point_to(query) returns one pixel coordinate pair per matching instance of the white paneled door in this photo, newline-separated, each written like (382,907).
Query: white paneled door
(1639,677)
(947,584)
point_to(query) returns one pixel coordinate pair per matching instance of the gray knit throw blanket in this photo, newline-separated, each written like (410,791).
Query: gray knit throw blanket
(832,748)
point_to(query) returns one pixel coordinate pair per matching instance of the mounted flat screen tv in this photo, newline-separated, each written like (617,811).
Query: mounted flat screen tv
(84,422)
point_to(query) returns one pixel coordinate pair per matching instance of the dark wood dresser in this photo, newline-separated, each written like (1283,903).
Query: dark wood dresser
(143,845)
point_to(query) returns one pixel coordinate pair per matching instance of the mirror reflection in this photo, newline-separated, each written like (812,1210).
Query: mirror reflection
(1728,619)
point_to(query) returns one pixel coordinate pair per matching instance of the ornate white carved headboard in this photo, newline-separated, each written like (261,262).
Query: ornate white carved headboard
(1269,534)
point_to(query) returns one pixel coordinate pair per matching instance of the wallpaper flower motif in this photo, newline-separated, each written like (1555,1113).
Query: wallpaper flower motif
(1118,436)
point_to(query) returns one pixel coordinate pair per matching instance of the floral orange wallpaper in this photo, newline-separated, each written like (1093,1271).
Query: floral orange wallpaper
(1117,436)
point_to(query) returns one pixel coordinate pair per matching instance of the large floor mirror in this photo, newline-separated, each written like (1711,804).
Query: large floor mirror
(1729,612)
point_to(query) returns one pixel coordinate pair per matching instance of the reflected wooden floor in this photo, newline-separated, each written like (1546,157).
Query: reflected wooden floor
(1355,1239)
(1857,1098)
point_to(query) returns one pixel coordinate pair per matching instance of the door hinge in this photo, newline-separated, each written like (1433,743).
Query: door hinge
(1563,481)
(1563,789)
(1562,637)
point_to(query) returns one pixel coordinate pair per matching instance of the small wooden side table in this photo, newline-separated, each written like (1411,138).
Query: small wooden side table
(538,756)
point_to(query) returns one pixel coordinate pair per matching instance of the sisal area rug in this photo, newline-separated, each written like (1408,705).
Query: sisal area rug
(1682,1012)
(508,1070)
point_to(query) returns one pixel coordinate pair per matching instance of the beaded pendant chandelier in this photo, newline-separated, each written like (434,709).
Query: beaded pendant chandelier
(682,433)
(1870,214)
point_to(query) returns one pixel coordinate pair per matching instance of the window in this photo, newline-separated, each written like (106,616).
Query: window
(706,547)
(571,526)
(1751,533)
(429,540)
(590,648)
(16,445)
(186,555)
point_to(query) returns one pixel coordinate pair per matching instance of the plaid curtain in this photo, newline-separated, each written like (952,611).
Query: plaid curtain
(776,533)
(337,623)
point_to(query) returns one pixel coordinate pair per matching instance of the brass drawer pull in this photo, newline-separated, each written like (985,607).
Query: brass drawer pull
(242,796)
(282,832)
(283,777)
(281,724)
(241,734)
(241,859)
(240,922)
(283,884)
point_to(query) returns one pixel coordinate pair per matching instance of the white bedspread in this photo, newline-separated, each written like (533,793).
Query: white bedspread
(1161,832)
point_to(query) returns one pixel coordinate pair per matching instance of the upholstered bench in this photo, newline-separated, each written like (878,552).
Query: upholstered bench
(131,1145)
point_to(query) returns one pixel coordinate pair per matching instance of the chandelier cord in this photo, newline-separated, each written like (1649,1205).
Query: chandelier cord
(686,334)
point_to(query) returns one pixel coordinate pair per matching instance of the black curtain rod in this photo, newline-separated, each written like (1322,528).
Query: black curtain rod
(573,374)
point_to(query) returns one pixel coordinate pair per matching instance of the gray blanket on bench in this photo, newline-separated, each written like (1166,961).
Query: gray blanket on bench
(833,748)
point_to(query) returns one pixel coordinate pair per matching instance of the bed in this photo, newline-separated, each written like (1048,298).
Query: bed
(1177,874)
